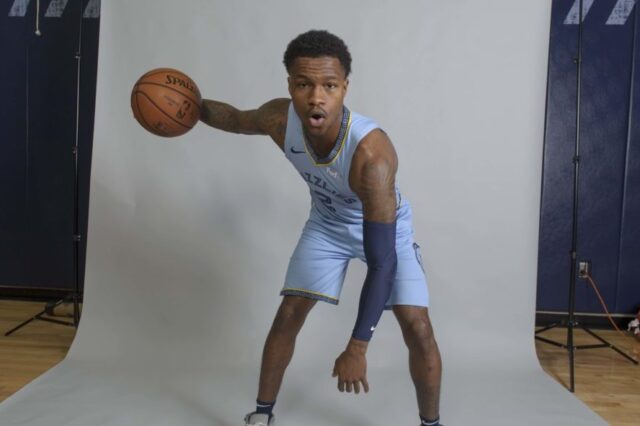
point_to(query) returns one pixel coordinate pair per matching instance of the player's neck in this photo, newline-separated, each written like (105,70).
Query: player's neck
(322,145)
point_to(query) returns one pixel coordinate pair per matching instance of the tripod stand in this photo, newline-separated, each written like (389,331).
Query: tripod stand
(571,325)
(47,311)
(584,266)
(74,295)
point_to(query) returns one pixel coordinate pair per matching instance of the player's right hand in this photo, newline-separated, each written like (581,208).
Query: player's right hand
(351,369)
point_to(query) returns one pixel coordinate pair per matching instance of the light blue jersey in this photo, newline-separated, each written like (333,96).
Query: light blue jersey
(332,198)
(333,234)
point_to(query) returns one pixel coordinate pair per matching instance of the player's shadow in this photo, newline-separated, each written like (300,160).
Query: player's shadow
(319,413)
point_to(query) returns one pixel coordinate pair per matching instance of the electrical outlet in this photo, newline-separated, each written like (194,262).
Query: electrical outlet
(584,268)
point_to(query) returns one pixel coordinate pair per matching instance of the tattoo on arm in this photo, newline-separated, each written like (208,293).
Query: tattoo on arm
(373,177)
(220,115)
(269,119)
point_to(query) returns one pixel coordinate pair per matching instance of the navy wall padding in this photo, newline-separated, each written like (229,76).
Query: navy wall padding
(606,82)
(629,261)
(13,167)
(557,186)
(37,135)
(609,179)
(88,78)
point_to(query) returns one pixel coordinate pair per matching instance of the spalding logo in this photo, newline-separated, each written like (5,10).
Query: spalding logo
(172,79)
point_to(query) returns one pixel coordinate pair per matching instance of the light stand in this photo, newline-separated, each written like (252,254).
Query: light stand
(572,323)
(74,295)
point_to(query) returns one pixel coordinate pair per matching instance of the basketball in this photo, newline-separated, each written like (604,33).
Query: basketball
(166,102)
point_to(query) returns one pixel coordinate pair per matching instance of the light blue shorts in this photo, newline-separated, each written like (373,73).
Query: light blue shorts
(319,263)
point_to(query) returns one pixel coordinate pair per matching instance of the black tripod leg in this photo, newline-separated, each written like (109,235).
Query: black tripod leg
(572,353)
(76,310)
(615,348)
(35,317)
(549,327)
(39,316)
(551,342)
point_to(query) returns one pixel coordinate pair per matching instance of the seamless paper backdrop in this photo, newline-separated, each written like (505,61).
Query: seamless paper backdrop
(189,238)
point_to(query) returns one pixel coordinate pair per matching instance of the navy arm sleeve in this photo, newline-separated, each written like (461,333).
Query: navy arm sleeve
(379,241)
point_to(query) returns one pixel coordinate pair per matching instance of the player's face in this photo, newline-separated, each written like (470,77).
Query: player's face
(317,87)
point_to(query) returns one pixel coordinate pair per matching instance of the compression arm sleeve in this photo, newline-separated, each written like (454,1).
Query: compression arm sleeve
(380,251)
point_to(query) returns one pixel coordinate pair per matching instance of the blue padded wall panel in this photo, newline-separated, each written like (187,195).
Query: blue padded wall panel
(13,132)
(88,77)
(36,223)
(557,194)
(52,76)
(606,84)
(609,189)
(37,134)
(628,295)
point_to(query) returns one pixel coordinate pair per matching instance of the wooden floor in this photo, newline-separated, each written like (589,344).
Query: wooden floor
(30,351)
(605,381)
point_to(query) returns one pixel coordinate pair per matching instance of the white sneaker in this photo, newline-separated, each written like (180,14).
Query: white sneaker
(255,419)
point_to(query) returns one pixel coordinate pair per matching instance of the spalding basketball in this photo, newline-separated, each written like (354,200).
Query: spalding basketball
(166,102)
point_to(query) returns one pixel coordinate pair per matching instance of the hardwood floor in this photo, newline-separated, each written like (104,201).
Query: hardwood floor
(605,381)
(30,351)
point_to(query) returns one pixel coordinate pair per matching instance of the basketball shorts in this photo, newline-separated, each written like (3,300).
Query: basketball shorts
(319,262)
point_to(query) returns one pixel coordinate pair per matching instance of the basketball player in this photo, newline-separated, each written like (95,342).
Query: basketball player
(350,165)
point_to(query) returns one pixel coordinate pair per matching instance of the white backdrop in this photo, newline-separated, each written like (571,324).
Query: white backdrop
(189,238)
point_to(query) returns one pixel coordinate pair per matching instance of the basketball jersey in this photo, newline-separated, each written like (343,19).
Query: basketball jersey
(332,199)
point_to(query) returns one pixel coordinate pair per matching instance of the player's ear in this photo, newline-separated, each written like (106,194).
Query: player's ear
(346,84)
(289,83)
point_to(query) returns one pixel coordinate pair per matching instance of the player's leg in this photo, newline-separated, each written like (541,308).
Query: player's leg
(410,300)
(425,364)
(316,272)
(278,349)
(276,355)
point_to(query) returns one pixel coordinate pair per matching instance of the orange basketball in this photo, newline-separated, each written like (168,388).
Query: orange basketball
(166,102)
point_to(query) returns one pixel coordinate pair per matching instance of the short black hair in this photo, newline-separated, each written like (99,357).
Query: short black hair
(317,43)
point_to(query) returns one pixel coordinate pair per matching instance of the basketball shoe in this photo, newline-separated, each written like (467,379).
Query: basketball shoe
(255,419)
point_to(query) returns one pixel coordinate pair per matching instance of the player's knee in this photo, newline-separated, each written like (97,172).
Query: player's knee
(291,316)
(418,335)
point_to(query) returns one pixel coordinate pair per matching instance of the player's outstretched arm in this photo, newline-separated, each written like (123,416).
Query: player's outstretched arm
(269,119)
(372,177)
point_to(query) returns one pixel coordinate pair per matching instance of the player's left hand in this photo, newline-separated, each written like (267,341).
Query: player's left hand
(351,370)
